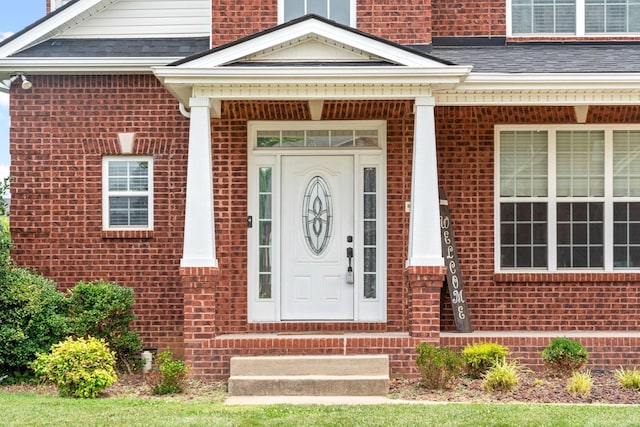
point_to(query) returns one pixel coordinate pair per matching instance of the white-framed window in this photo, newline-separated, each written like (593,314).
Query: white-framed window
(341,11)
(127,191)
(573,17)
(567,198)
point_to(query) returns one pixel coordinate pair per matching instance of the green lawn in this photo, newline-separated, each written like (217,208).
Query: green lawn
(25,409)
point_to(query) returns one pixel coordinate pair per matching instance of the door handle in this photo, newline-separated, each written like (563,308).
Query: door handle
(350,277)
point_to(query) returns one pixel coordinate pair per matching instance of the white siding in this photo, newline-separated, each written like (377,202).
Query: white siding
(146,18)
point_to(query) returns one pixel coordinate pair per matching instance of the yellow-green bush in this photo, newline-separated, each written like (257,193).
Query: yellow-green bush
(580,383)
(81,367)
(503,376)
(481,356)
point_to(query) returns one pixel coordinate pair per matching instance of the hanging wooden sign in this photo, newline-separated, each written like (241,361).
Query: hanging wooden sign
(454,276)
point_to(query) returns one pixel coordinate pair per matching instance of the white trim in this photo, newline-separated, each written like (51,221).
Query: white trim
(268,310)
(106,192)
(551,199)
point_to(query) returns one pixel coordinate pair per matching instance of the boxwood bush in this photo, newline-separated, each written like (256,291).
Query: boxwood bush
(564,356)
(104,310)
(439,367)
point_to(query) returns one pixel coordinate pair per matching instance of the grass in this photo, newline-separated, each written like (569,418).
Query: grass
(27,409)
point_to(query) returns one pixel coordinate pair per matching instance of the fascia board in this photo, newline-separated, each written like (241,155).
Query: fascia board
(305,29)
(301,74)
(550,81)
(81,65)
(48,27)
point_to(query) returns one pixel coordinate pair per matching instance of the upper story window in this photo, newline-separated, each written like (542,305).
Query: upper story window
(341,11)
(127,192)
(574,17)
(568,198)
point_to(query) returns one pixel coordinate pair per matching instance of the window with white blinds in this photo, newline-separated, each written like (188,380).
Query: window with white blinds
(568,199)
(341,11)
(574,17)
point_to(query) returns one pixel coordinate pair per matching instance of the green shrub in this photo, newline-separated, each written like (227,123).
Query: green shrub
(32,318)
(564,356)
(580,383)
(628,378)
(104,310)
(81,367)
(5,242)
(170,375)
(479,357)
(503,376)
(438,366)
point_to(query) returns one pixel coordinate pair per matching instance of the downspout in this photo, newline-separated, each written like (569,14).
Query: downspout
(184,111)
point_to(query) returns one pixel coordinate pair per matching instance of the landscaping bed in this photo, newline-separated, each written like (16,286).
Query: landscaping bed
(534,387)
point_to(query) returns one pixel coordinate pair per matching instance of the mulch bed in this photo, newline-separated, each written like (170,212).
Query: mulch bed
(534,387)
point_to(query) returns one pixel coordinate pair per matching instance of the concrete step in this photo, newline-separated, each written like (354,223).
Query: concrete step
(309,376)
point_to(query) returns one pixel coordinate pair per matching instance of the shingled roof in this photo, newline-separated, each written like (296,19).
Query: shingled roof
(614,57)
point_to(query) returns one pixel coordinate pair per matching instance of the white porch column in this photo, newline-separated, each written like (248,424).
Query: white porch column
(199,234)
(424,231)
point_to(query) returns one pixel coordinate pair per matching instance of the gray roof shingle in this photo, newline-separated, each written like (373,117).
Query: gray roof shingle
(170,47)
(545,57)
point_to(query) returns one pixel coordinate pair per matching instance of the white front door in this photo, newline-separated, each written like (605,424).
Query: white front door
(317,228)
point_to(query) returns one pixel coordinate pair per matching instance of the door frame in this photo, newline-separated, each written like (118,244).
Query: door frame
(267,309)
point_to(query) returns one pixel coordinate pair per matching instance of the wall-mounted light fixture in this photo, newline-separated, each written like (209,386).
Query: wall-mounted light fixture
(26,84)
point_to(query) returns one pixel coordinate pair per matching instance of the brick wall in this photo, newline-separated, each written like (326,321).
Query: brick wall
(593,301)
(60,130)
(406,22)
(478,18)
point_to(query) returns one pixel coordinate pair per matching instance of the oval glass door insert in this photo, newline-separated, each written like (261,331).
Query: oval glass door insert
(317,215)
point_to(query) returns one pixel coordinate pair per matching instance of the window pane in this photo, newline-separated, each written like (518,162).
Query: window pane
(370,224)
(626,163)
(293,138)
(268,138)
(523,164)
(370,288)
(611,16)
(543,16)
(523,235)
(340,11)
(580,235)
(626,234)
(319,7)
(293,9)
(580,163)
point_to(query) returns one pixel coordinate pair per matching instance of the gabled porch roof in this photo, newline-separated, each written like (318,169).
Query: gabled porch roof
(310,58)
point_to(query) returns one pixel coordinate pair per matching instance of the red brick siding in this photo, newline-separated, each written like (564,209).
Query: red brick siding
(479,18)
(596,301)
(60,130)
(406,22)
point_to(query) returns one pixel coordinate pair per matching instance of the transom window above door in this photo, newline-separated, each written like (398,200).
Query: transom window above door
(341,11)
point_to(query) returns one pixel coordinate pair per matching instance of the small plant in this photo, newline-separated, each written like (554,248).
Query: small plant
(170,375)
(503,376)
(564,356)
(628,378)
(438,366)
(80,367)
(580,383)
(479,357)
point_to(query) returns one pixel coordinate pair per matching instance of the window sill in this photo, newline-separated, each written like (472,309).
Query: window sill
(568,276)
(127,234)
